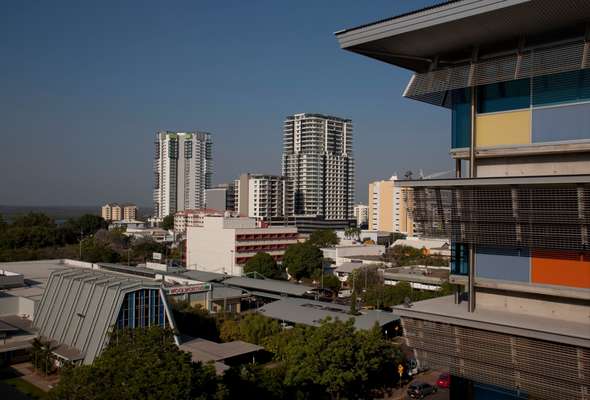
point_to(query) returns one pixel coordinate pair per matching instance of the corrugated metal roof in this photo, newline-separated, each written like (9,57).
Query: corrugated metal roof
(79,306)
(270,285)
(312,313)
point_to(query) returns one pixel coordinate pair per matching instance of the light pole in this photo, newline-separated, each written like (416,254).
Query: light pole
(81,237)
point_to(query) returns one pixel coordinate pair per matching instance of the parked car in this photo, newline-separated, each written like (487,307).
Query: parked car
(444,380)
(418,390)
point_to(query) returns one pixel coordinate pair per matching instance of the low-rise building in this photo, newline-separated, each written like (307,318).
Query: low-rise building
(311,313)
(338,253)
(186,218)
(224,244)
(116,211)
(127,224)
(440,247)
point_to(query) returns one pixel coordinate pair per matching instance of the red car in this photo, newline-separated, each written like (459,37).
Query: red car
(444,380)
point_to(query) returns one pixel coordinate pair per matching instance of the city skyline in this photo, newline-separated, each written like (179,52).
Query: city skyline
(104,94)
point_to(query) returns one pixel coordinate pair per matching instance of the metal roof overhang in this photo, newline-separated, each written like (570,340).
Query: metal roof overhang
(452,29)
(497,181)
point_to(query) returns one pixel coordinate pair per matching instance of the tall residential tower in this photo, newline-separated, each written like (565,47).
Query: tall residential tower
(182,171)
(319,166)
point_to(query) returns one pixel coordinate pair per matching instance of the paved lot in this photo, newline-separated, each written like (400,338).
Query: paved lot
(428,377)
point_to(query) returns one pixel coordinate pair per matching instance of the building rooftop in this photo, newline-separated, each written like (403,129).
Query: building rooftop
(206,351)
(68,318)
(444,310)
(312,313)
(451,29)
(348,267)
(201,276)
(269,285)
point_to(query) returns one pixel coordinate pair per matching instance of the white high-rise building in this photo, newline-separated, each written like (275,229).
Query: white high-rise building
(182,171)
(319,166)
(361,213)
(260,196)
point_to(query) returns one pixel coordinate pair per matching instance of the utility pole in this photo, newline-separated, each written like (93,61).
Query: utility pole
(81,237)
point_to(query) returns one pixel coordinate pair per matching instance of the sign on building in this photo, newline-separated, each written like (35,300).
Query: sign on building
(176,290)
(157,256)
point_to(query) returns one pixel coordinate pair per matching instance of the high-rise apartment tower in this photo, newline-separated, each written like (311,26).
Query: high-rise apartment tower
(182,171)
(319,166)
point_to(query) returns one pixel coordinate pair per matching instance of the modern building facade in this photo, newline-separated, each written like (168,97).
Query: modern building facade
(225,244)
(182,171)
(388,210)
(318,164)
(515,76)
(117,212)
(260,196)
(221,197)
(361,214)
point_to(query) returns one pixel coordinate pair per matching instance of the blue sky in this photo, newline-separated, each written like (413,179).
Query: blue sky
(85,87)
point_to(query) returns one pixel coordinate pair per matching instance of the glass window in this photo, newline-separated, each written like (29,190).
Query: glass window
(461,118)
(504,96)
(566,87)
(459,259)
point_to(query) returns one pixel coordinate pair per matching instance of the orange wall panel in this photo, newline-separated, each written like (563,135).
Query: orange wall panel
(561,268)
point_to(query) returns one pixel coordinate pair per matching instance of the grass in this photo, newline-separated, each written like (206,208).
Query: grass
(25,387)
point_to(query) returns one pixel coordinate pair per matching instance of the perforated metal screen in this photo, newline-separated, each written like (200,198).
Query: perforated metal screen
(431,87)
(542,369)
(552,217)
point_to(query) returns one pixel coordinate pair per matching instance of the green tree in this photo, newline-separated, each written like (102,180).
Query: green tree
(352,232)
(194,321)
(331,282)
(251,328)
(302,260)
(137,364)
(340,360)
(95,251)
(263,264)
(323,238)
(168,222)
(144,248)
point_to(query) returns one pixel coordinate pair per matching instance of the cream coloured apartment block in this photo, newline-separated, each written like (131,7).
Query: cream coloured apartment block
(387,208)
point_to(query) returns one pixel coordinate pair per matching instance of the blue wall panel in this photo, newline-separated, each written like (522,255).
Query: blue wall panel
(503,264)
(565,122)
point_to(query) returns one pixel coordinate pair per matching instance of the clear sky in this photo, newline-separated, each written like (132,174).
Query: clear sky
(83,89)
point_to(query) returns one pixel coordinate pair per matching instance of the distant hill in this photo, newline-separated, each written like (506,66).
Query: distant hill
(58,213)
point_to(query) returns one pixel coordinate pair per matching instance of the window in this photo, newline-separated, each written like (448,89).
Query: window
(504,96)
(461,118)
(459,259)
(566,87)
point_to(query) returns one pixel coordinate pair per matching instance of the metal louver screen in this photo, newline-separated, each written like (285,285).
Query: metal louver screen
(553,217)
(544,370)
(431,86)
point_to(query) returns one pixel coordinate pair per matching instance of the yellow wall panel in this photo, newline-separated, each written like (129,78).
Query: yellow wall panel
(506,128)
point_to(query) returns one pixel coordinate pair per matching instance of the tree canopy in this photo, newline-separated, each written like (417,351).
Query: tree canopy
(337,359)
(323,238)
(302,260)
(168,222)
(264,264)
(137,364)
(252,328)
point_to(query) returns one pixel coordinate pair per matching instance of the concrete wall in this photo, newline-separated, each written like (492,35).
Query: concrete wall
(534,307)
(210,248)
(563,164)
